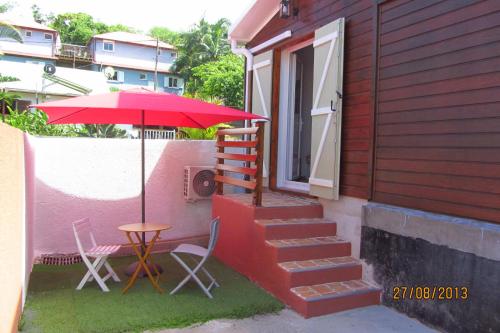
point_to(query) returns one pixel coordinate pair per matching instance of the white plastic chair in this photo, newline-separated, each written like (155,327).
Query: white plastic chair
(88,248)
(198,251)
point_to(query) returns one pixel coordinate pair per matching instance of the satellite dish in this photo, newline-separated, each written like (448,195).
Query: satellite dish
(49,69)
(109,72)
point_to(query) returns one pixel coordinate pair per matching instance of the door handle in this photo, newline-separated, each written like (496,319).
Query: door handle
(331,106)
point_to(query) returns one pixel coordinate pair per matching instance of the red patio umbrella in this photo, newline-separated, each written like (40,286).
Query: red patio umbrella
(140,107)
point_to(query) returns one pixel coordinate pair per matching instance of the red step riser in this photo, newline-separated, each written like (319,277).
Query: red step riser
(293,212)
(332,305)
(319,276)
(288,231)
(312,252)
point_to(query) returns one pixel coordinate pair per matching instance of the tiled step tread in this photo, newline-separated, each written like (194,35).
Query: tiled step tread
(317,264)
(273,222)
(274,199)
(333,290)
(284,243)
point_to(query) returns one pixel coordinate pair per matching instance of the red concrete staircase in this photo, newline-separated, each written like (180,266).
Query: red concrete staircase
(316,270)
(288,248)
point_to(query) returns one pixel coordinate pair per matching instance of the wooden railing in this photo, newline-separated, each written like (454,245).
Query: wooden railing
(78,52)
(254,144)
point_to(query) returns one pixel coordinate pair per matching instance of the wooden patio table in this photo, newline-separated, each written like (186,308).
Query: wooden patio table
(144,256)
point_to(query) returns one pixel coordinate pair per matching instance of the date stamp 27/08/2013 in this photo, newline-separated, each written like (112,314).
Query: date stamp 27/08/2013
(429,293)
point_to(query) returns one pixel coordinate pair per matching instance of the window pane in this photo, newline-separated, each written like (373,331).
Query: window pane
(108,46)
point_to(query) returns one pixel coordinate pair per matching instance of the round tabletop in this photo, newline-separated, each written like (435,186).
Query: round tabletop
(144,227)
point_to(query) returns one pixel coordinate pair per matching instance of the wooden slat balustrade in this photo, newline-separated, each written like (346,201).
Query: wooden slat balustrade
(254,154)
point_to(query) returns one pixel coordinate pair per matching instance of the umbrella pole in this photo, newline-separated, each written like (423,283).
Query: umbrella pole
(143,181)
(131,268)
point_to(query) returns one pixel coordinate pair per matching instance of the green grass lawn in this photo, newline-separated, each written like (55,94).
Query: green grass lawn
(53,304)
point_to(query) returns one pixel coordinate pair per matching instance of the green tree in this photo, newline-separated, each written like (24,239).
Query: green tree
(203,43)
(40,17)
(101,131)
(119,27)
(78,28)
(209,133)
(7,99)
(214,42)
(165,35)
(6,78)
(221,80)
(75,28)
(35,123)
(5,7)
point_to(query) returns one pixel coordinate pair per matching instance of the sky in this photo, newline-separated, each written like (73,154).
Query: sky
(177,15)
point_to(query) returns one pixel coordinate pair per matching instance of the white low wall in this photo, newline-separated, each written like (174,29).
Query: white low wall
(101,178)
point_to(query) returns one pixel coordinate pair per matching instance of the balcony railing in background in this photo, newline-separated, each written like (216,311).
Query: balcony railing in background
(254,141)
(74,52)
(158,134)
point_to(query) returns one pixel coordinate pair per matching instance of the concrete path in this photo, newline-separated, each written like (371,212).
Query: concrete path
(372,319)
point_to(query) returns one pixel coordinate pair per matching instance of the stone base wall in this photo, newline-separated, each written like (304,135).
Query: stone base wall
(408,248)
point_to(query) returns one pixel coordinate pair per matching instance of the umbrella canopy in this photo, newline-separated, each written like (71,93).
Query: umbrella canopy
(130,106)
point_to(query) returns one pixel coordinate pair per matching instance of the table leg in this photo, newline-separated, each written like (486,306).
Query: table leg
(142,263)
(152,264)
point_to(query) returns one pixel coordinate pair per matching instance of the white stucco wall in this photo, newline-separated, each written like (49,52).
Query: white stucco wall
(100,179)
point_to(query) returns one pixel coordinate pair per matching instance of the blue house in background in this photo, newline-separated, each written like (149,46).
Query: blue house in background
(133,60)
(128,60)
(39,44)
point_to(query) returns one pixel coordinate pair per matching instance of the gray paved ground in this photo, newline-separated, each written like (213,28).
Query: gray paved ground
(372,319)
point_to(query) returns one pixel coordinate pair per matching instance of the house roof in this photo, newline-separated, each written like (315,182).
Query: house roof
(128,37)
(31,81)
(25,23)
(253,20)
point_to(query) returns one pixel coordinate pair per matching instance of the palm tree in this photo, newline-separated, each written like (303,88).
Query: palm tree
(8,31)
(205,42)
(214,40)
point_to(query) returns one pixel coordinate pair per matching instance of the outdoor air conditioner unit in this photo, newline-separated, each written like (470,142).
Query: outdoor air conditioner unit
(199,182)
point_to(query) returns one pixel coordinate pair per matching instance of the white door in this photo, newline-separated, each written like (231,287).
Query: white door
(327,110)
(261,101)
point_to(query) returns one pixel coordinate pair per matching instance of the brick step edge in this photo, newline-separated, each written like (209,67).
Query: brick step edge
(318,296)
(313,241)
(353,262)
(293,222)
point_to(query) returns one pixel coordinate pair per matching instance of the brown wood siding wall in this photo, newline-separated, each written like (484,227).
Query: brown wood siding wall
(313,14)
(438,107)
